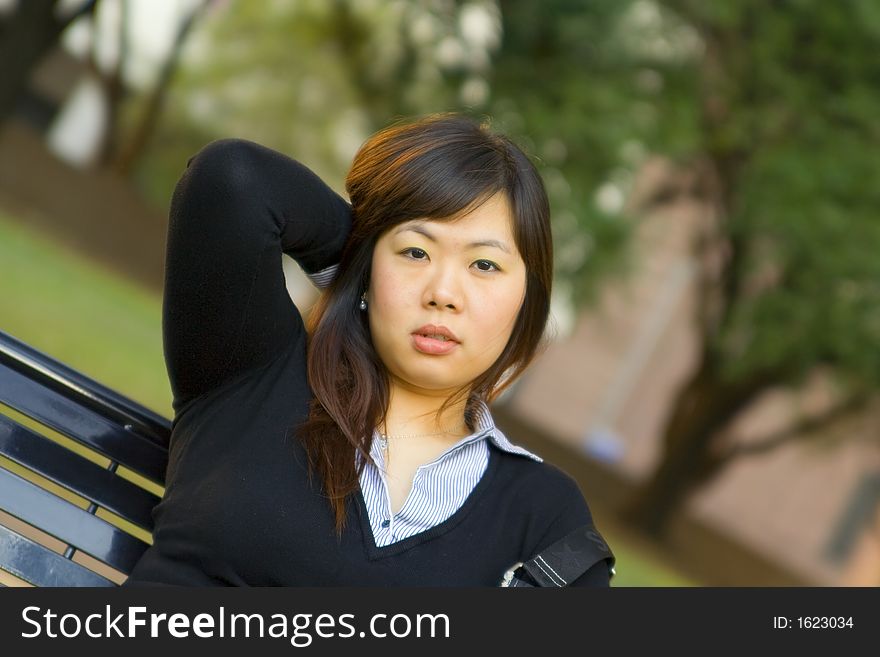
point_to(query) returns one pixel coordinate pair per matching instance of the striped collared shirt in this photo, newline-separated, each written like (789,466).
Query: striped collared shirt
(440,487)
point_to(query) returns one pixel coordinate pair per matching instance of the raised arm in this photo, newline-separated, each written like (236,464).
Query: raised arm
(226,309)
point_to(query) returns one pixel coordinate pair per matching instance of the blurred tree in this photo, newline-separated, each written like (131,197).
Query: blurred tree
(27,33)
(124,156)
(788,100)
(315,78)
(30,30)
(132,114)
(574,86)
(774,108)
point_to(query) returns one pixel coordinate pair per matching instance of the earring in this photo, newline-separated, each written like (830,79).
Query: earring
(363,304)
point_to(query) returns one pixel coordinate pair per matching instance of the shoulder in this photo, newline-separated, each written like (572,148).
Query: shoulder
(551,506)
(538,484)
(546,493)
(529,470)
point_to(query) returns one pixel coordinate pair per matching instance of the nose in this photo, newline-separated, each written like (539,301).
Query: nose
(443,289)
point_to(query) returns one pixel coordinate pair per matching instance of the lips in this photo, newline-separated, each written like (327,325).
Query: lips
(434,340)
(436,332)
(433,346)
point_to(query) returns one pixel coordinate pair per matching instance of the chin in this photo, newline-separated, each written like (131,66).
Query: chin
(425,381)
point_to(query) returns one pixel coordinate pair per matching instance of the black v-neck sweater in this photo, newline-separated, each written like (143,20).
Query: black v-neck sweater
(238,507)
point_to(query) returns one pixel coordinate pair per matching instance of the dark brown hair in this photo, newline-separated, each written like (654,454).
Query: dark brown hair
(436,167)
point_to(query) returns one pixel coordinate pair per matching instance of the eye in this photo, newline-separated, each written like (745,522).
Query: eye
(487,262)
(415,250)
(415,253)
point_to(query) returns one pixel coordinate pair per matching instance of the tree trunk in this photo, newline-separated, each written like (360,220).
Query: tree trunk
(129,156)
(115,90)
(705,406)
(26,36)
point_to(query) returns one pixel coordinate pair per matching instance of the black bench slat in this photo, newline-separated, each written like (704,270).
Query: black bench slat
(83,477)
(40,566)
(85,391)
(127,433)
(82,424)
(69,523)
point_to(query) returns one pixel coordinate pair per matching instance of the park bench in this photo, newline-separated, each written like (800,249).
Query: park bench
(81,468)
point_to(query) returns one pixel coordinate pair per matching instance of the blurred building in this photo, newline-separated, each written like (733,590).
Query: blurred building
(809,510)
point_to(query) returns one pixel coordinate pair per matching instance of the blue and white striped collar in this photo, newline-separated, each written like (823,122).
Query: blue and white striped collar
(484,425)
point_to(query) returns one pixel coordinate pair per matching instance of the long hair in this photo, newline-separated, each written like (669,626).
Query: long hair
(435,167)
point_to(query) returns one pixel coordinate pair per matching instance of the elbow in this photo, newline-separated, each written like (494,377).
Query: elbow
(229,164)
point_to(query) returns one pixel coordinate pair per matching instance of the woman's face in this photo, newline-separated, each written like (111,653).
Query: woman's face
(466,275)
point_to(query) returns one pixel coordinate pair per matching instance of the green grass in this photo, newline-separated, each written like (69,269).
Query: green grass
(82,315)
(110,330)
(637,567)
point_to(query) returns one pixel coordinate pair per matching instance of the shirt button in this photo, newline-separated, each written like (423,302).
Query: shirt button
(385,523)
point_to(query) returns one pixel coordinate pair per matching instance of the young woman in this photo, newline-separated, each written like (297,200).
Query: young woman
(360,450)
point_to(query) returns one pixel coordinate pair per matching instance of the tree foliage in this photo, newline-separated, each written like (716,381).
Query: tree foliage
(788,101)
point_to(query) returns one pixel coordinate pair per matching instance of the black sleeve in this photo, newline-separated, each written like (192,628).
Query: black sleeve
(575,514)
(226,309)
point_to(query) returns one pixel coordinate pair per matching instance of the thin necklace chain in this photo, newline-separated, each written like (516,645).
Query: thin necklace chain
(384,437)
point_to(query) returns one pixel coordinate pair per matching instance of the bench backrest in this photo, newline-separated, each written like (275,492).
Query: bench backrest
(81,468)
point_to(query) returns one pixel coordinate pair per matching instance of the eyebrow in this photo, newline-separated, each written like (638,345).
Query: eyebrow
(419,228)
